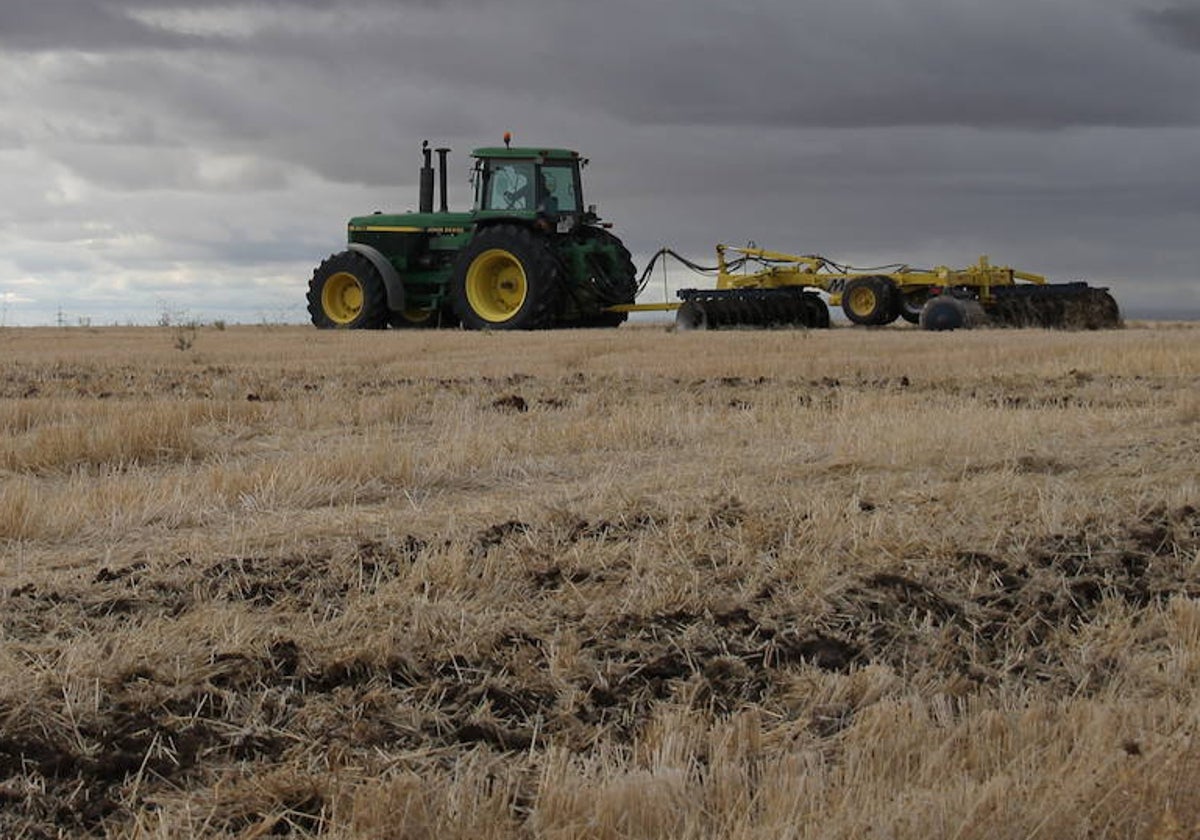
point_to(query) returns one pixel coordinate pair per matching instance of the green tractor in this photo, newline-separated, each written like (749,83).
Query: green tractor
(528,255)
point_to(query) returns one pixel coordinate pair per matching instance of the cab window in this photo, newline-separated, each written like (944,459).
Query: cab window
(560,194)
(509,185)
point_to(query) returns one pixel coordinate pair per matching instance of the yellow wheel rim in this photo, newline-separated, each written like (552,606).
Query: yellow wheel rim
(862,301)
(496,285)
(342,297)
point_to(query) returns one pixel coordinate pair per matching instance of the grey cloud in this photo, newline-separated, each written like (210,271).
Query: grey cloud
(1028,66)
(315,117)
(350,106)
(1060,137)
(133,168)
(1038,68)
(113,25)
(84,24)
(49,264)
(1178,25)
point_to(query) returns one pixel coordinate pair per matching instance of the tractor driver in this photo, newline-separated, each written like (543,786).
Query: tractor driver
(547,201)
(518,198)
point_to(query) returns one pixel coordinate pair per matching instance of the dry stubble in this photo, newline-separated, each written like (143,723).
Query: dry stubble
(599,584)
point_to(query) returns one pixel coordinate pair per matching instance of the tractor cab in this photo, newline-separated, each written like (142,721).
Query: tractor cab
(528,183)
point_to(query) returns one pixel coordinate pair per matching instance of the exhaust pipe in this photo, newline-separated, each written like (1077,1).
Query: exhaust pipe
(442,167)
(425,204)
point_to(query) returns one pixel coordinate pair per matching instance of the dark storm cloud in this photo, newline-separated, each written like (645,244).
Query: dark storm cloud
(1179,26)
(1021,64)
(109,25)
(1013,65)
(83,24)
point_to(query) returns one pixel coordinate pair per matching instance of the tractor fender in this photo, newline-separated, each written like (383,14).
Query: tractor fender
(391,278)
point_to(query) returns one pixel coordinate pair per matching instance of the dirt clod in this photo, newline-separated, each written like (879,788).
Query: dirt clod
(512,403)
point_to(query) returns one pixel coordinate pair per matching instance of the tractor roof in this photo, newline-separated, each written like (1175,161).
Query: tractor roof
(524,153)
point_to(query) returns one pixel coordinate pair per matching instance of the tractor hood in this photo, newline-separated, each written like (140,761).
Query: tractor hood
(412,223)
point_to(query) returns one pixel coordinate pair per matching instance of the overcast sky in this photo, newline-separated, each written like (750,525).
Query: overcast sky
(200,158)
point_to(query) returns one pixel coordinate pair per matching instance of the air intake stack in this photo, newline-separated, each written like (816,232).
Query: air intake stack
(442,166)
(426,200)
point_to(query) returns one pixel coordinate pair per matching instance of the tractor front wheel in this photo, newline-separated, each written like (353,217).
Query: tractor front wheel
(346,292)
(506,279)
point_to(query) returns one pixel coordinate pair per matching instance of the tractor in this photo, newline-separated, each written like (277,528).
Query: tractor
(528,255)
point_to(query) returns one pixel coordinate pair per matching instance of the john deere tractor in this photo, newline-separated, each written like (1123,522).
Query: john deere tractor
(528,255)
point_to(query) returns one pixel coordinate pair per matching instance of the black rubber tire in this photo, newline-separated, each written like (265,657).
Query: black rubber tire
(348,270)
(943,313)
(621,275)
(614,282)
(882,301)
(537,307)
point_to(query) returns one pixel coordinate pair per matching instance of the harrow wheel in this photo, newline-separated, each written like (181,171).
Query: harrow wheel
(730,308)
(691,316)
(871,301)
(1073,306)
(911,303)
(506,279)
(946,312)
(943,313)
(346,292)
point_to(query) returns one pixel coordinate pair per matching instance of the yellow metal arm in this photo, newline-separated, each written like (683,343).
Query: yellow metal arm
(798,271)
(815,271)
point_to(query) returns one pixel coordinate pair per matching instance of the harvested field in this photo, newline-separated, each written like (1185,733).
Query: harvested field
(600,584)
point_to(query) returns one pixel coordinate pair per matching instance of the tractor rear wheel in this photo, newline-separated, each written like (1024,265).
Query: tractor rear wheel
(871,301)
(613,279)
(346,292)
(506,279)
